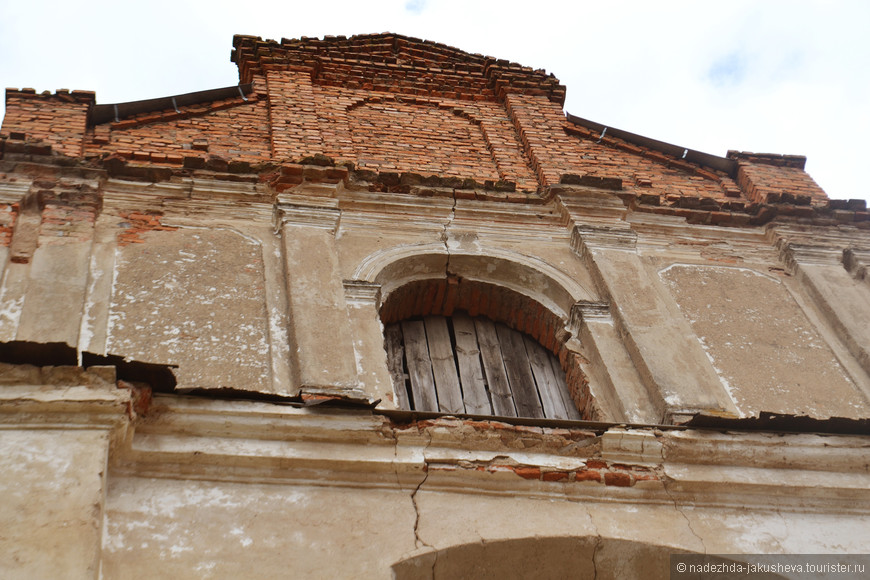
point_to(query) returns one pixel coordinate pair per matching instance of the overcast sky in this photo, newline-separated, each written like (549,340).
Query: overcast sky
(778,77)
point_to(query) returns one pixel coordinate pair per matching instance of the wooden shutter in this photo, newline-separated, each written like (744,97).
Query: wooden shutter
(475,366)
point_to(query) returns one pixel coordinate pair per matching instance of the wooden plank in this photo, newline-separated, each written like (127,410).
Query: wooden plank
(493,367)
(548,388)
(419,366)
(396,364)
(443,365)
(564,391)
(470,369)
(519,372)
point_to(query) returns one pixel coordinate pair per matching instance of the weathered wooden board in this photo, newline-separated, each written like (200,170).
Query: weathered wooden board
(564,391)
(548,388)
(470,369)
(519,373)
(486,368)
(443,365)
(419,366)
(395,362)
(493,367)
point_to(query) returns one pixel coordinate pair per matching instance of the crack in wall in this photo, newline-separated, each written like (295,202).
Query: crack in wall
(594,555)
(665,481)
(418,541)
(598,541)
(445,236)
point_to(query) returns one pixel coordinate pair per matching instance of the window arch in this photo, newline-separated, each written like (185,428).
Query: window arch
(462,346)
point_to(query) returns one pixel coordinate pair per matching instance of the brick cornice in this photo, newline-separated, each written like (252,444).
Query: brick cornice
(396,64)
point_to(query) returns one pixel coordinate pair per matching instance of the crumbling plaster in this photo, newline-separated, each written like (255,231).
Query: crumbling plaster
(210,485)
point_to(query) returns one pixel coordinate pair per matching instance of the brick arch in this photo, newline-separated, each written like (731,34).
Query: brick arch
(444,296)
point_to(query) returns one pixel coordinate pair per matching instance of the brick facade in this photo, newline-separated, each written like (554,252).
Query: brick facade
(391,104)
(384,298)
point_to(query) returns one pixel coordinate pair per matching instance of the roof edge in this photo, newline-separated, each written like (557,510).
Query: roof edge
(117,111)
(725,164)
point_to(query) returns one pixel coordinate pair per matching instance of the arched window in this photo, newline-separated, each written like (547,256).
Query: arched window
(467,347)
(464,364)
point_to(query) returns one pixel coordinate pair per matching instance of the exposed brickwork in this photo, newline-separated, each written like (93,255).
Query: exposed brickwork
(441,297)
(557,147)
(595,471)
(137,223)
(776,178)
(231,129)
(649,172)
(69,210)
(456,146)
(8,215)
(401,105)
(539,123)
(394,64)
(389,132)
(293,105)
(59,119)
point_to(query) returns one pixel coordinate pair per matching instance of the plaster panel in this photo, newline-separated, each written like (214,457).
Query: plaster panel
(165,528)
(194,298)
(55,295)
(51,485)
(765,350)
(778,531)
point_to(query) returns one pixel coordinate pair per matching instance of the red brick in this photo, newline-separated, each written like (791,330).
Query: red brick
(587,475)
(528,472)
(554,476)
(617,479)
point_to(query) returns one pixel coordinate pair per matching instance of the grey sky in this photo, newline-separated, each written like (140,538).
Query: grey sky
(778,77)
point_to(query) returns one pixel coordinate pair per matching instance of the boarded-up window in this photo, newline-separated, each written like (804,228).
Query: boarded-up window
(461,364)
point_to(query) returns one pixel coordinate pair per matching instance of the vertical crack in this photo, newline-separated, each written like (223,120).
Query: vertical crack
(665,481)
(418,541)
(445,236)
(594,554)
(598,541)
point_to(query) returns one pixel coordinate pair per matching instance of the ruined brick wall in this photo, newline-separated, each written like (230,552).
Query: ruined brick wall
(392,104)
(59,120)
(776,179)
(230,129)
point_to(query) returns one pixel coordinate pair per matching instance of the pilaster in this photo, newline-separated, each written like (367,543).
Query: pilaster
(320,329)
(832,269)
(57,425)
(678,377)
